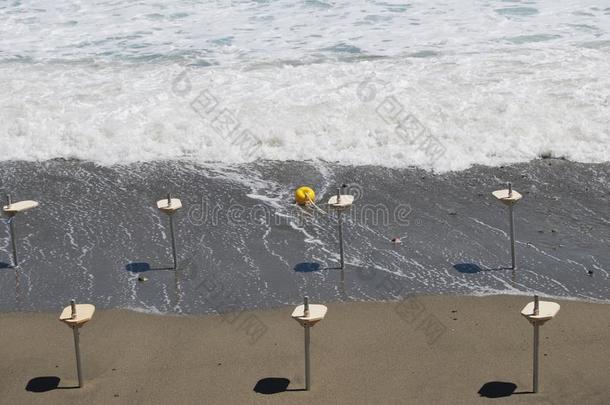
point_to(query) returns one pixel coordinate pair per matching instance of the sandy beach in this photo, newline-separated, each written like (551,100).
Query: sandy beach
(153,157)
(422,350)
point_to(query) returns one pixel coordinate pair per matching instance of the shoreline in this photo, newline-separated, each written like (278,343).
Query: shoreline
(362,352)
(518,294)
(389,301)
(214,164)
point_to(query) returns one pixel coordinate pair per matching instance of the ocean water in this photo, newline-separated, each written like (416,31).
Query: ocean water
(437,85)
(421,108)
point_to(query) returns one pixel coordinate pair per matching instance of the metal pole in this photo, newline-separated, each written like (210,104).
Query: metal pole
(171,230)
(512,237)
(13,241)
(536,344)
(306,326)
(17,290)
(340,220)
(307,365)
(177,290)
(305,306)
(77,349)
(76,343)
(9,202)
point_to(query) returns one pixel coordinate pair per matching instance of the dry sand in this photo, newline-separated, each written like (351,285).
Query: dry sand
(362,353)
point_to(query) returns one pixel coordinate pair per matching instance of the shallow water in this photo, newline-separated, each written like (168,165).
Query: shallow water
(243,244)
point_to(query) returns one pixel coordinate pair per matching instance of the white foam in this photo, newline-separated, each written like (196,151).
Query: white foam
(492,83)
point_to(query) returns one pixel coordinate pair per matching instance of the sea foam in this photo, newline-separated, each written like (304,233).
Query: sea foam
(363,83)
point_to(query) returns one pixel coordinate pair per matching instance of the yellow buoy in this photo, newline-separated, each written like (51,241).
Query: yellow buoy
(304,195)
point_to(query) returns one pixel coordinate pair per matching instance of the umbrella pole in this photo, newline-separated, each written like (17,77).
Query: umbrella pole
(171,231)
(512,236)
(13,241)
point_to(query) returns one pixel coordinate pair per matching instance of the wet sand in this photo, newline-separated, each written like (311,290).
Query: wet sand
(422,350)
(97,230)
